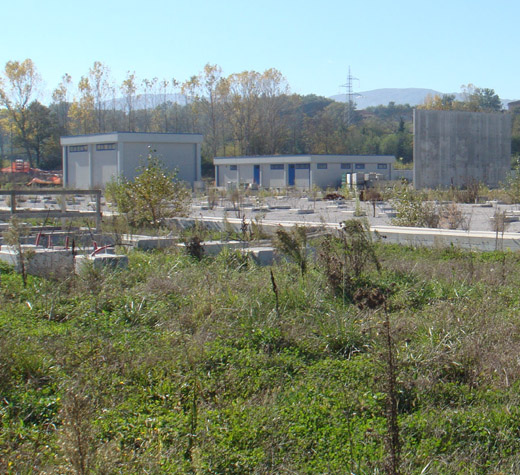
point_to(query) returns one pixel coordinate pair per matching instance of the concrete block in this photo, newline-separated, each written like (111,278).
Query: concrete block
(147,243)
(101,261)
(212,248)
(40,261)
(263,256)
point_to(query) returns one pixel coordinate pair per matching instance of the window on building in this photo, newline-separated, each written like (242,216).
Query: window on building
(78,148)
(346,166)
(302,166)
(382,166)
(233,168)
(277,166)
(105,146)
(322,166)
(360,166)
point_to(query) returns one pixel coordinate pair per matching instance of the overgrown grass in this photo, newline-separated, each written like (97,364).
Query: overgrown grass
(184,366)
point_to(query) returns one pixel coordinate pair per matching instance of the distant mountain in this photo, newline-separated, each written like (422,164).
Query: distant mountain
(377,97)
(413,96)
(381,97)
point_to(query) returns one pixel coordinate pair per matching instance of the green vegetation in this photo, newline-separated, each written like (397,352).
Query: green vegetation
(215,365)
(154,194)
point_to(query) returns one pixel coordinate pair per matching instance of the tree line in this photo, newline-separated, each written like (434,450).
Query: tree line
(246,113)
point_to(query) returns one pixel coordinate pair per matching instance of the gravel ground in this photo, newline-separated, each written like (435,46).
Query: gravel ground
(286,209)
(306,210)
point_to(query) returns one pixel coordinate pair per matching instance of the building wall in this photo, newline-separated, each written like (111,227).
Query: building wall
(273,178)
(226,175)
(104,166)
(78,171)
(455,148)
(326,177)
(302,176)
(179,156)
(246,173)
(93,160)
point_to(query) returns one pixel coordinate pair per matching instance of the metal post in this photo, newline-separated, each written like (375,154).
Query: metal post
(13,202)
(98,211)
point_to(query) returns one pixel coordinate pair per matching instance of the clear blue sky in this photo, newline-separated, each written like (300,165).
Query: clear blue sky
(439,45)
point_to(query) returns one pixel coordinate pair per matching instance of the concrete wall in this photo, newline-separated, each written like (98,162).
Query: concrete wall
(104,166)
(226,175)
(455,148)
(331,176)
(402,174)
(246,174)
(173,156)
(302,176)
(78,170)
(273,178)
(278,178)
(124,153)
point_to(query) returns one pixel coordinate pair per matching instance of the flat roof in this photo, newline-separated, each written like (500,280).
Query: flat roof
(303,159)
(135,137)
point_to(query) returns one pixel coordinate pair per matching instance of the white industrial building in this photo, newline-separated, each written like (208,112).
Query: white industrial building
(91,161)
(300,171)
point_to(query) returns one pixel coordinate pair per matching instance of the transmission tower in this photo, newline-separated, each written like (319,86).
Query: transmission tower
(349,103)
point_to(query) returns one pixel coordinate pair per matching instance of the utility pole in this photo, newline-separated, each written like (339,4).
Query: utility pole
(349,102)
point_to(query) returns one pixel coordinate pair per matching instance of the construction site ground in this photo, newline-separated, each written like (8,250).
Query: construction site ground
(475,217)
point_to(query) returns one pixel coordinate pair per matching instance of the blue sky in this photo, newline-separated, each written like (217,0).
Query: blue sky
(439,45)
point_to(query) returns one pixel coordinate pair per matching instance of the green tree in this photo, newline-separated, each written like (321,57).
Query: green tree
(481,99)
(155,194)
(40,129)
(18,87)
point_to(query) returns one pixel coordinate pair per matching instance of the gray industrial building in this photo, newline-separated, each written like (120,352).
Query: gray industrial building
(90,161)
(455,148)
(300,171)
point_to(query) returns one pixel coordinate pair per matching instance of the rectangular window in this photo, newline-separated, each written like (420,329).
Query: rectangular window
(322,166)
(302,166)
(78,148)
(360,166)
(346,166)
(277,166)
(382,166)
(233,168)
(105,146)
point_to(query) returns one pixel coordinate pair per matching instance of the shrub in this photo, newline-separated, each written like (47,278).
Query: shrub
(412,209)
(153,195)
(293,245)
(345,258)
(452,217)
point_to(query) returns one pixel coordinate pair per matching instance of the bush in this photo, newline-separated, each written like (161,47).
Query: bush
(153,195)
(412,209)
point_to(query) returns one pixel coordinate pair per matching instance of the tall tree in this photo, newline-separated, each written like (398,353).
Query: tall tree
(41,129)
(244,94)
(81,111)
(100,89)
(18,87)
(214,90)
(129,91)
(273,89)
(191,92)
(481,99)
(61,103)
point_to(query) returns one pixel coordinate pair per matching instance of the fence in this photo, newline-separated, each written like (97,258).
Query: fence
(51,213)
